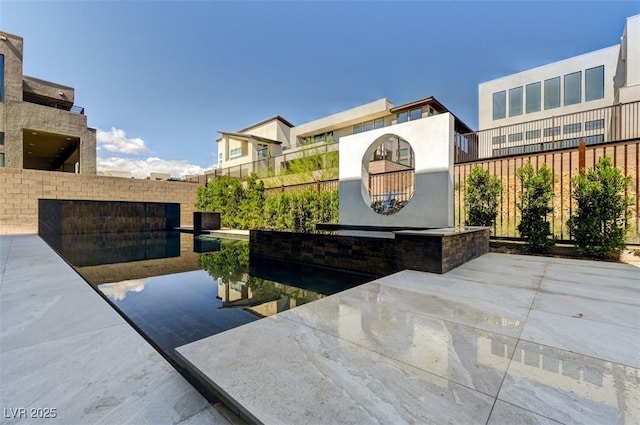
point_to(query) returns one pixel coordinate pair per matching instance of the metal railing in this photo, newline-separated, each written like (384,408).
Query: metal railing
(275,165)
(596,126)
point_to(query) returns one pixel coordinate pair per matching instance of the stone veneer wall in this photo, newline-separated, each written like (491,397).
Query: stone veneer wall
(435,251)
(361,254)
(20,191)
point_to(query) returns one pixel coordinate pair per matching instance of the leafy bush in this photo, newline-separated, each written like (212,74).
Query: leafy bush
(249,208)
(481,197)
(600,221)
(535,197)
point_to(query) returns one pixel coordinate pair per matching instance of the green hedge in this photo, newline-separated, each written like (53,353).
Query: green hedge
(249,208)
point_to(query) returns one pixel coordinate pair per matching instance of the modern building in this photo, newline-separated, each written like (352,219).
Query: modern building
(561,103)
(275,137)
(40,126)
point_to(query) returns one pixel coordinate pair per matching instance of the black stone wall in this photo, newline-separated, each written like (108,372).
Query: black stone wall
(79,217)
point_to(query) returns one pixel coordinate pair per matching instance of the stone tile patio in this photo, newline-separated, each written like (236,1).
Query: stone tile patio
(63,347)
(503,339)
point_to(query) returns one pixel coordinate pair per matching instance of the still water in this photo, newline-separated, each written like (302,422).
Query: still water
(176,289)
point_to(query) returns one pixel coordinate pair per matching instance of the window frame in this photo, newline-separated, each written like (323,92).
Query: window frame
(587,72)
(547,91)
(513,101)
(529,109)
(569,85)
(503,111)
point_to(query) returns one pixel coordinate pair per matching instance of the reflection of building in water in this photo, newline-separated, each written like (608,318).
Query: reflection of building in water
(118,290)
(262,297)
(611,384)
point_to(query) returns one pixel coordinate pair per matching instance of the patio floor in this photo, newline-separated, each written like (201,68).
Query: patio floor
(503,339)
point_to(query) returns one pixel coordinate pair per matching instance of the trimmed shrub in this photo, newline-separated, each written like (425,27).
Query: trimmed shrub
(481,197)
(601,219)
(535,196)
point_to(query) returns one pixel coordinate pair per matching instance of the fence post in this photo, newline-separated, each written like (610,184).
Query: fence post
(582,151)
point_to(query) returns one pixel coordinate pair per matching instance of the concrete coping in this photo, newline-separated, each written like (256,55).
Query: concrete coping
(446,231)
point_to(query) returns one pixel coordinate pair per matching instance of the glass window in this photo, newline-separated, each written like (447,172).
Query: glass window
(572,128)
(573,88)
(515,101)
(499,105)
(533,97)
(403,116)
(357,128)
(551,131)
(496,140)
(1,160)
(594,125)
(368,126)
(415,114)
(2,80)
(552,93)
(534,134)
(379,123)
(594,83)
(515,137)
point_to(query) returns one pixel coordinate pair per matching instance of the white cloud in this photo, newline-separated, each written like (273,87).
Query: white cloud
(140,168)
(116,140)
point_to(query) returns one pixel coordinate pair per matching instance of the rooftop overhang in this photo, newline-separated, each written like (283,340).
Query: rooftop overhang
(265,121)
(248,137)
(55,92)
(460,126)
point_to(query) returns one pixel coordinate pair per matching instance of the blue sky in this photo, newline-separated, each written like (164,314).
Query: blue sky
(158,79)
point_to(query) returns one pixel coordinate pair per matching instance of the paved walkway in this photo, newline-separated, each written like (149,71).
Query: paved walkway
(63,347)
(503,339)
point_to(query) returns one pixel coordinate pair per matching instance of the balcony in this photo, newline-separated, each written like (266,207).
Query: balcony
(603,125)
(51,103)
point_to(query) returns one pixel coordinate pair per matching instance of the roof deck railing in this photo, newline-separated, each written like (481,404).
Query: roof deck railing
(596,126)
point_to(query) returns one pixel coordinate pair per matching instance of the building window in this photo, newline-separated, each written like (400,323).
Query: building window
(515,101)
(403,117)
(572,128)
(415,114)
(379,123)
(235,153)
(498,140)
(357,128)
(533,97)
(552,93)
(534,134)
(1,160)
(594,83)
(515,137)
(499,105)
(551,131)
(1,138)
(367,126)
(2,81)
(573,88)
(594,125)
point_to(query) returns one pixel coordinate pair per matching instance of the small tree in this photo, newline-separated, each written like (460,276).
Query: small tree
(601,219)
(481,197)
(535,197)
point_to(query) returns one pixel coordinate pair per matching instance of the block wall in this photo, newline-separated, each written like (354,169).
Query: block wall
(21,189)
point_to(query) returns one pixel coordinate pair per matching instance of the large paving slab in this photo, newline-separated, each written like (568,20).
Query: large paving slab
(503,339)
(63,347)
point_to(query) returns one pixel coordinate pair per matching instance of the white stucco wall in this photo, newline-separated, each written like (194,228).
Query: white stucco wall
(432,203)
(607,57)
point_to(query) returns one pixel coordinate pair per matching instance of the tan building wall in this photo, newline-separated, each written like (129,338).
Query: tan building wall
(21,189)
(46,125)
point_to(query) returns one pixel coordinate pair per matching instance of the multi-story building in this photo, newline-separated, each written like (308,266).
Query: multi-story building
(40,127)
(249,150)
(591,97)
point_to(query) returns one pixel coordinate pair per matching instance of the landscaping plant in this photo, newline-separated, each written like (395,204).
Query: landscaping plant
(600,221)
(534,204)
(481,197)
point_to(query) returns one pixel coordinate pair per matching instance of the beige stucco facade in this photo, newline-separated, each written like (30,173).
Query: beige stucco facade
(40,125)
(621,82)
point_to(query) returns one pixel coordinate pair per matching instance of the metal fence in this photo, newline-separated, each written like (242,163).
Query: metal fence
(565,165)
(603,125)
(320,186)
(275,165)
